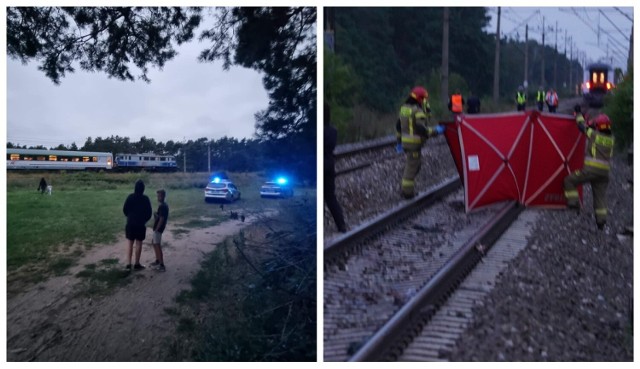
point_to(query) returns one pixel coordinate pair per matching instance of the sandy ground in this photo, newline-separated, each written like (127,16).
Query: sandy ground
(49,322)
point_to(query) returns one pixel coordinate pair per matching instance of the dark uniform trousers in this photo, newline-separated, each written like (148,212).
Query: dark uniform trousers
(331,200)
(599,179)
(411,169)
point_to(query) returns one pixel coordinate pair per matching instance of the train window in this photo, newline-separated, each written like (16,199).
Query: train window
(41,158)
(146,158)
(163,159)
(95,159)
(152,158)
(53,158)
(14,157)
(85,159)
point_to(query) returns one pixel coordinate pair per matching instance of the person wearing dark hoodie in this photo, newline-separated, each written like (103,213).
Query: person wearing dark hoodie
(137,209)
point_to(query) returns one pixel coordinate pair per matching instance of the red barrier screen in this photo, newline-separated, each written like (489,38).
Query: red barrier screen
(521,156)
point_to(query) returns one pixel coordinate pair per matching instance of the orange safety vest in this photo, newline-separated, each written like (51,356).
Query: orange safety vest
(456,103)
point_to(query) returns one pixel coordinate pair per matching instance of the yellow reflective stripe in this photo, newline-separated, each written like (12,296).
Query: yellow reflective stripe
(420,115)
(405,111)
(601,211)
(569,194)
(604,141)
(580,118)
(596,164)
(411,139)
(407,183)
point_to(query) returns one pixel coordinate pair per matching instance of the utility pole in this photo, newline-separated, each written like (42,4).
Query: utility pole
(564,74)
(526,55)
(555,62)
(542,79)
(444,77)
(630,57)
(496,65)
(571,65)
(209,157)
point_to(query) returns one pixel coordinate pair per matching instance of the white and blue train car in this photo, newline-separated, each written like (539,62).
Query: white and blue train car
(34,159)
(149,162)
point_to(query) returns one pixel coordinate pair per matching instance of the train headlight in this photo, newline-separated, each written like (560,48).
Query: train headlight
(608,85)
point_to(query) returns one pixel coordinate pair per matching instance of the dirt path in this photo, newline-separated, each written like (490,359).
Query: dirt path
(47,323)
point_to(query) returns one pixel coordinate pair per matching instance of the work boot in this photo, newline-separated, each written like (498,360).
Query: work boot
(601,225)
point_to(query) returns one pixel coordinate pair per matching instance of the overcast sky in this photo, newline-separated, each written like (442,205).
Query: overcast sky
(185,100)
(581,24)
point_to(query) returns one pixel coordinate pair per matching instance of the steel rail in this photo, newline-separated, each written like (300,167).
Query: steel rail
(386,340)
(342,243)
(346,150)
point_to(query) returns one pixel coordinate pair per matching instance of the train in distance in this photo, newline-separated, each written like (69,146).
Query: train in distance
(598,83)
(36,159)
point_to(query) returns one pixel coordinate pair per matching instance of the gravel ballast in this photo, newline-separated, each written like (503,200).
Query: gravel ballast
(566,297)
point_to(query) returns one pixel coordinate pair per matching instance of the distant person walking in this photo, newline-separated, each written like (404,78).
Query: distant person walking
(42,186)
(540,97)
(473,104)
(137,209)
(330,141)
(160,222)
(456,103)
(521,99)
(552,100)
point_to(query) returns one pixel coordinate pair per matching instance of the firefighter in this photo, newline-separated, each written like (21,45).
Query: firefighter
(521,99)
(540,98)
(552,100)
(597,163)
(412,131)
(456,102)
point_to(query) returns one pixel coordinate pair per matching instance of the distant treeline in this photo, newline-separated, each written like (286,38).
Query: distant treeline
(380,53)
(229,154)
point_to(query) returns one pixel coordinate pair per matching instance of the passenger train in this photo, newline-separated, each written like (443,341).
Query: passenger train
(598,83)
(58,160)
(35,159)
(148,162)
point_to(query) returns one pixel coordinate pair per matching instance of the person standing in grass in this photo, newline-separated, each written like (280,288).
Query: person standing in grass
(137,209)
(159,223)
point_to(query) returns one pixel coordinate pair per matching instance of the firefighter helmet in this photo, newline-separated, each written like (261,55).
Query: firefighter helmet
(419,94)
(602,122)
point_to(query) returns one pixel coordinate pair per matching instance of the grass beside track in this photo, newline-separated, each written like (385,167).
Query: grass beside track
(86,209)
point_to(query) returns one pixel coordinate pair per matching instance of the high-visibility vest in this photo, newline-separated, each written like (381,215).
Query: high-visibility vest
(520,98)
(540,96)
(456,103)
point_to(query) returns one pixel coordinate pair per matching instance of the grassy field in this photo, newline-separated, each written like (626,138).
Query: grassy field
(86,209)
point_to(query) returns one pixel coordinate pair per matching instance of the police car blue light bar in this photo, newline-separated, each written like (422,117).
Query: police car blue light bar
(281,180)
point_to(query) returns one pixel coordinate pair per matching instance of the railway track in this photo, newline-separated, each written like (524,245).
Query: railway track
(377,275)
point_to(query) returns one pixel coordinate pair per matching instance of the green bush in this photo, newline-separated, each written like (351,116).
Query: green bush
(619,108)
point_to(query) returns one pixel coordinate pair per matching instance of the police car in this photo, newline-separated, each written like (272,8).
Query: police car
(221,189)
(279,187)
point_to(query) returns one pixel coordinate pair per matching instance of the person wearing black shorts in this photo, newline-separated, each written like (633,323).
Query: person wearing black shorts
(137,209)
